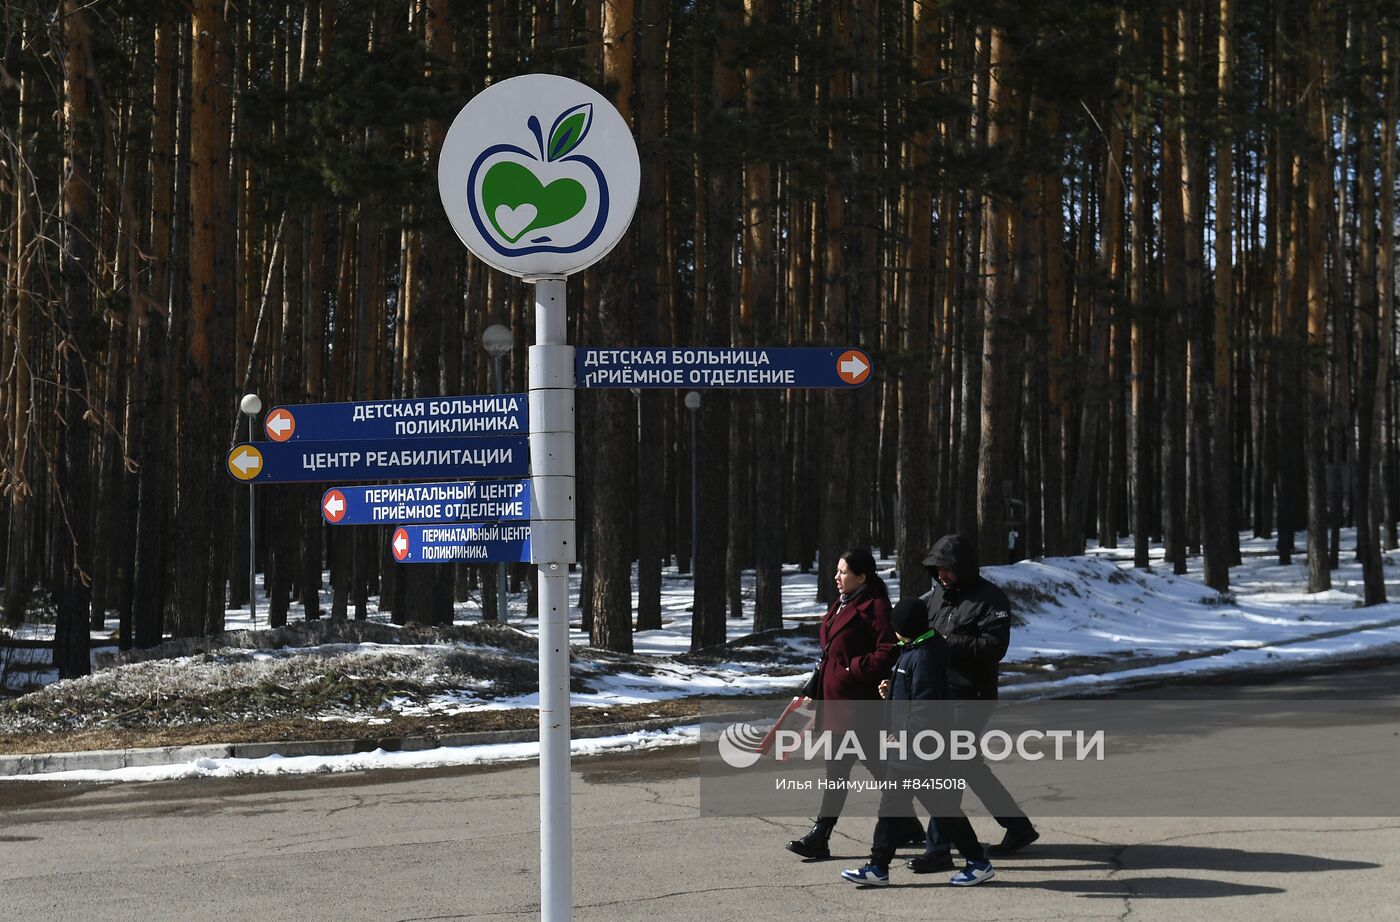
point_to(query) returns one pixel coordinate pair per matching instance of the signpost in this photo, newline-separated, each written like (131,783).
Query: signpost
(421,459)
(425,503)
(542,204)
(250,406)
(497,542)
(713,367)
(498,414)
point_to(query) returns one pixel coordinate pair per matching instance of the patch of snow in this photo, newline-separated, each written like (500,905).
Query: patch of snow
(378,759)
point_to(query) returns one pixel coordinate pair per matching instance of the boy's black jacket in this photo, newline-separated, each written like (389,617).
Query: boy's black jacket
(920,674)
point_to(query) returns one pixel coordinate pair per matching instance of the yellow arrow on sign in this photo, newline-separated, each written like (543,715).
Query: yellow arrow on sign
(245,462)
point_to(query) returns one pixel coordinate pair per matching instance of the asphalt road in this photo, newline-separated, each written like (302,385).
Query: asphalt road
(462,844)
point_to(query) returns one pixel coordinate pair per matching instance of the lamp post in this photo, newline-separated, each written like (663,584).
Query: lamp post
(498,340)
(251,406)
(692,403)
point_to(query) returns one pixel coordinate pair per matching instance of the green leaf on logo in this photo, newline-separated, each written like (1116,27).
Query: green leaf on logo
(516,202)
(569,130)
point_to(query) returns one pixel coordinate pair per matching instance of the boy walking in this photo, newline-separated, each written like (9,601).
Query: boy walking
(920,675)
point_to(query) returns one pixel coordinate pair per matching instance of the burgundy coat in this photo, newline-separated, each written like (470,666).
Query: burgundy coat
(858,652)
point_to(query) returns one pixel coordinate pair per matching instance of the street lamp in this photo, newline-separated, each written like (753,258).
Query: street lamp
(251,406)
(498,340)
(692,403)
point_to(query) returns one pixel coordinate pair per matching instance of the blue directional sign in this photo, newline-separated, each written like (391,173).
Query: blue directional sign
(402,503)
(501,542)
(419,459)
(711,367)
(419,417)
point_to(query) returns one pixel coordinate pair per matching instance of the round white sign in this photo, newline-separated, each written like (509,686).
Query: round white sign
(539,175)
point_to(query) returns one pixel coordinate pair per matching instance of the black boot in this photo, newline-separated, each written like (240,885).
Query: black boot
(927,863)
(912,833)
(813,845)
(1017,837)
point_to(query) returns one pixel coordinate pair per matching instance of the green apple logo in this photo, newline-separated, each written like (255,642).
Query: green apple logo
(516,202)
(522,193)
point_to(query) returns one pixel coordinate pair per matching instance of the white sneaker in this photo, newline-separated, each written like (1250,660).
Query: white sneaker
(869,876)
(975,873)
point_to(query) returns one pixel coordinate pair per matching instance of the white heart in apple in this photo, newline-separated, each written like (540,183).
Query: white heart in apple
(514,220)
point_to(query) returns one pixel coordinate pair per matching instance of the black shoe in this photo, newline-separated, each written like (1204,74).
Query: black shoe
(915,836)
(1016,838)
(812,846)
(927,864)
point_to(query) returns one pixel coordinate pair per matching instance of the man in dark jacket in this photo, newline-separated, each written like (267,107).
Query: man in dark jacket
(974,617)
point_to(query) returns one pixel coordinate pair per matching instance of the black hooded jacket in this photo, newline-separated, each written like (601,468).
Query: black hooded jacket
(973,616)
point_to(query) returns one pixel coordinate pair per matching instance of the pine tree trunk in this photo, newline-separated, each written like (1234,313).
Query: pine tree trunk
(762,306)
(721,210)
(1224,522)
(1058,412)
(737,518)
(71,563)
(1384,469)
(971,309)
(1318,184)
(837,449)
(914,445)
(320,12)
(1212,504)
(1368,350)
(425,591)
(1174,295)
(150,423)
(1095,384)
(1291,493)
(1269,354)
(652,22)
(613,443)
(1142,322)
(18,570)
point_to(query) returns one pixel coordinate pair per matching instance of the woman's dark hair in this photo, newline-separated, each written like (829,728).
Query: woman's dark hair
(860,561)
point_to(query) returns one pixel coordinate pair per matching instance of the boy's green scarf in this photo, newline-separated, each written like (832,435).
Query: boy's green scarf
(920,639)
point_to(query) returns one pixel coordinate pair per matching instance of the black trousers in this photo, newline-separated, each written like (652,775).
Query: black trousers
(838,771)
(947,823)
(973,715)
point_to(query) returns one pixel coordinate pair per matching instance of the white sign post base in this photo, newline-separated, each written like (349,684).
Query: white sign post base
(553,547)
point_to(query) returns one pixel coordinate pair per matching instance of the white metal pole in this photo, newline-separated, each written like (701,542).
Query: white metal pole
(552,548)
(252,544)
(250,406)
(501,603)
(694,502)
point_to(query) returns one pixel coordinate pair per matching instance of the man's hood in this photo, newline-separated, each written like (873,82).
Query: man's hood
(956,553)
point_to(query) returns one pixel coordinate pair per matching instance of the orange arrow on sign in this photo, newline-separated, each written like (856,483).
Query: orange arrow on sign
(333,506)
(280,425)
(852,366)
(400,545)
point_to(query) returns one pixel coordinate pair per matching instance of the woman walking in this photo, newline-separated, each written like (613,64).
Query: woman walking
(858,651)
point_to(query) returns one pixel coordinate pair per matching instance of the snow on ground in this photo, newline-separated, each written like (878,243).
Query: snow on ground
(378,759)
(1100,605)
(1281,655)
